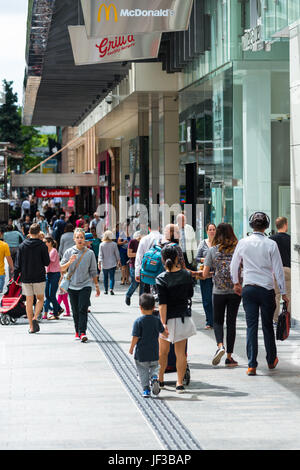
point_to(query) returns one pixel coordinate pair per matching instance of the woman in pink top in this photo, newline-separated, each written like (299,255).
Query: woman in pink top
(52,279)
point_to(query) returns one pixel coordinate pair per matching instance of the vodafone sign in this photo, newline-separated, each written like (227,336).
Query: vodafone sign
(49,193)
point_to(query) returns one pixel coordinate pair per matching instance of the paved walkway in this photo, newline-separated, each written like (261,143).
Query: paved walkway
(57,393)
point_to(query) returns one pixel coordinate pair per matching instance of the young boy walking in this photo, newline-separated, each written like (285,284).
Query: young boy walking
(145,333)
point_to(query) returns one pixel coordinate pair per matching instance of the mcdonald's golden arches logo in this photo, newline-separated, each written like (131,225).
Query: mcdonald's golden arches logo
(107,12)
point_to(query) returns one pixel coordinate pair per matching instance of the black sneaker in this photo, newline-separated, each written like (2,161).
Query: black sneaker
(36,326)
(112,292)
(127,300)
(230,362)
(180,389)
(218,356)
(60,311)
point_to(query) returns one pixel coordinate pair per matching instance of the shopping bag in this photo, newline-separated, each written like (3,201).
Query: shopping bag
(283,324)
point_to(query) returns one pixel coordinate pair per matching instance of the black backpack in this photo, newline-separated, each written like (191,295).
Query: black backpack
(283,324)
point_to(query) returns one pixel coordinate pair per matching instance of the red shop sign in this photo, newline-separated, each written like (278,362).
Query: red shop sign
(49,193)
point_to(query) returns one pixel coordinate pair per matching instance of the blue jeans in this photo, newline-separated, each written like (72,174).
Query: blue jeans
(257,299)
(206,287)
(52,281)
(134,284)
(2,282)
(109,273)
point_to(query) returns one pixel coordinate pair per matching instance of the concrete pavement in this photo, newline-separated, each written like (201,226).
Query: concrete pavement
(57,393)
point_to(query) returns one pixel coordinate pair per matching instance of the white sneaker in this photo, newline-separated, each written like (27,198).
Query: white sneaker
(155,386)
(218,356)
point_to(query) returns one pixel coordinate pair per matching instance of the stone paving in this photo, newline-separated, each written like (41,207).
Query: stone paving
(57,393)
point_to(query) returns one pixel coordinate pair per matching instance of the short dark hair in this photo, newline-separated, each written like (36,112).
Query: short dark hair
(281,222)
(34,229)
(147,301)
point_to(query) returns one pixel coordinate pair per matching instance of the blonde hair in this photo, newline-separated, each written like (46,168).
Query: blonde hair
(79,230)
(107,236)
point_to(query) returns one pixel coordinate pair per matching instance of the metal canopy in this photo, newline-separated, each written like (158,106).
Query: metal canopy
(61,94)
(67,93)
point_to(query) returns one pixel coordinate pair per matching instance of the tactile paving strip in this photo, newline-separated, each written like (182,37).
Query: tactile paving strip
(170,431)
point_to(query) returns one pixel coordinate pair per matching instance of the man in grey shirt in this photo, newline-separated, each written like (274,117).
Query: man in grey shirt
(108,259)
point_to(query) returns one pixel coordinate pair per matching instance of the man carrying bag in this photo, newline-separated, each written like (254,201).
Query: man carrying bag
(261,261)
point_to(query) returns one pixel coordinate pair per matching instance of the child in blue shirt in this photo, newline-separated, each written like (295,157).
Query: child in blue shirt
(145,333)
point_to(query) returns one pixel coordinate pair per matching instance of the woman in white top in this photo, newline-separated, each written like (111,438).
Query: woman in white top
(109,258)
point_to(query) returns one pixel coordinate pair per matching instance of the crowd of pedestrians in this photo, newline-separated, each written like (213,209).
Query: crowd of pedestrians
(60,260)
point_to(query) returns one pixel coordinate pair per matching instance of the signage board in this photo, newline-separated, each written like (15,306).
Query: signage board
(112,18)
(50,193)
(124,47)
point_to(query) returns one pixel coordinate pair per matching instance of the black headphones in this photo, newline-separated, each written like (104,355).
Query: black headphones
(259,220)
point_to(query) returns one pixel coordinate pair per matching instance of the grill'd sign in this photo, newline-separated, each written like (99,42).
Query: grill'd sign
(120,17)
(112,49)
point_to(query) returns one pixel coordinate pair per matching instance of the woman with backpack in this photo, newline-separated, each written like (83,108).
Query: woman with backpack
(218,259)
(175,288)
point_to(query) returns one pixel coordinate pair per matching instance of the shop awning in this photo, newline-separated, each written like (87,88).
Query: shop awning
(54,180)
(56,91)
(59,93)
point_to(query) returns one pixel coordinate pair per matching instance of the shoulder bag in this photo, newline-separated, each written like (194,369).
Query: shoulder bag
(66,280)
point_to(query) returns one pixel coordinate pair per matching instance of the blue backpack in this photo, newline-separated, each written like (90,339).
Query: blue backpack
(152,264)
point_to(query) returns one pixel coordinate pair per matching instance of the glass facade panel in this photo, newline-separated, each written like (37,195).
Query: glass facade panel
(232,139)
(208,104)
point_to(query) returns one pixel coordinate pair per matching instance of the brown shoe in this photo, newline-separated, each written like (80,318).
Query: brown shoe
(251,371)
(272,366)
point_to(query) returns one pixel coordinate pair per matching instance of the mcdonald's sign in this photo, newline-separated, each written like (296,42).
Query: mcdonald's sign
(107,12)
(122,17)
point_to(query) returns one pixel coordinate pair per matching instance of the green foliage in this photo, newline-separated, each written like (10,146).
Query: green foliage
(24,138)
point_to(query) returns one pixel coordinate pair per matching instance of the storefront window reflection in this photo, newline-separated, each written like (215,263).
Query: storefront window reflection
(206,166)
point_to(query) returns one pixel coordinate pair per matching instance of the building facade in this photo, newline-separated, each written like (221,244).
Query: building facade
(211,124)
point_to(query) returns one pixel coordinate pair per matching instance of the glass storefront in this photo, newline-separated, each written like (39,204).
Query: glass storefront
(234,145)
(235,117)
(206,153)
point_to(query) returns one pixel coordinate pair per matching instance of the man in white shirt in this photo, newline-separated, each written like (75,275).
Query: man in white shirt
(98,224)
(145,244)
(261,261)
(188,242)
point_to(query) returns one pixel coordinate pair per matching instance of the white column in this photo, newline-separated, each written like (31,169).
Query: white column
(168,150)
(153,149)
(295,167)
(256,144)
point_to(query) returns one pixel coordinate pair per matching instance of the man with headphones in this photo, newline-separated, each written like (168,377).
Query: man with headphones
(261,261)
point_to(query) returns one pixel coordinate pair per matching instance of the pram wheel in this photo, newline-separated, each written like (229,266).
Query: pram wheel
(1,319)
(5,319)
(13,320)
(187,376)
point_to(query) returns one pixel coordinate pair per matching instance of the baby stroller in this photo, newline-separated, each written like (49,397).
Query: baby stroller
(12,304)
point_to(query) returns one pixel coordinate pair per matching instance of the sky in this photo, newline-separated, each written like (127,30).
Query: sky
(13,19)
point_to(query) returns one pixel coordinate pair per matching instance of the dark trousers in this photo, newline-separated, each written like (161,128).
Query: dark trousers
(80,302)
(257,299)
(228,303)
(206,287)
